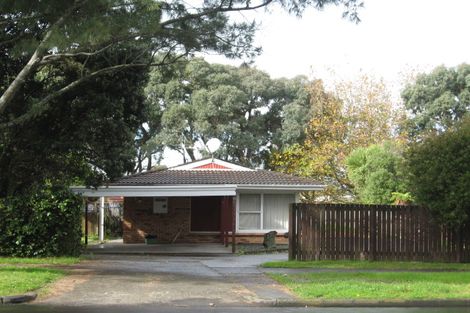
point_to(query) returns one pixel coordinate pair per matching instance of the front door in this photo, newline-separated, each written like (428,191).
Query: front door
(205,214)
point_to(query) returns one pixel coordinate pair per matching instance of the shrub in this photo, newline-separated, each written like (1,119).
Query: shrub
(43,222)
(376,173)
(439,170)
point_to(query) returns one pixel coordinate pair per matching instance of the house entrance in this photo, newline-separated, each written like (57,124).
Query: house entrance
(205,214)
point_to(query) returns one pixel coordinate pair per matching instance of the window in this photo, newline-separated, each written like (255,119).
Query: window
(250,211)
(264,211)
(276,211)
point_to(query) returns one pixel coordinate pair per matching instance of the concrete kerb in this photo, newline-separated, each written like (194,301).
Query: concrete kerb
(369,303)
(27,297)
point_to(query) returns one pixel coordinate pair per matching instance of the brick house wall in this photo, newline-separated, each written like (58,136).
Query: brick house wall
(139,221)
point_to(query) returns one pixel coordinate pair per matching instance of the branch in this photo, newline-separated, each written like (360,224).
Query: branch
(58,56)
(41,106)
(34,61)
(214,10)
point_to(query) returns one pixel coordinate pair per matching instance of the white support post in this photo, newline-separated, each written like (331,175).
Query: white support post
(101,229)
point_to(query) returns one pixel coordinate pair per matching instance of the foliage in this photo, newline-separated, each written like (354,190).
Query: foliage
(112,224)
(19,280)
(439,174)
(43,222)
(438,100)
(341,121)
(402,197)
(376,172)
(193,101)
(86,134)
(51,33)
(378,285)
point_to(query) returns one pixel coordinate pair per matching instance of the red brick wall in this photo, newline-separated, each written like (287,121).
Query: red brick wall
(139,221)
(258,238)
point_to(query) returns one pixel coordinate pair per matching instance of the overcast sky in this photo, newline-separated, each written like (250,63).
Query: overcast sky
(393,37)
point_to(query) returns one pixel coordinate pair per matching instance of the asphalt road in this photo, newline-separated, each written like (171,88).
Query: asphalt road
(202,309)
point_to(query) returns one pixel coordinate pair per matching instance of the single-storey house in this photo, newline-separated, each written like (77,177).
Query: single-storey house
(205,201)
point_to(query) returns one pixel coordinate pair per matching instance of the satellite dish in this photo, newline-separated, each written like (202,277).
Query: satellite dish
(213,145)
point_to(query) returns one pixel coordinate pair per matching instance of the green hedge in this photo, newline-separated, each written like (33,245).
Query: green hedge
(43,222)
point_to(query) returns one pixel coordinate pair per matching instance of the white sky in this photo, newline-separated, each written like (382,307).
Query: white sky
(393,38)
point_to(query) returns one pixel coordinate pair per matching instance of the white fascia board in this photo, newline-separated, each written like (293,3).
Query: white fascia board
(292,188)
(157,191)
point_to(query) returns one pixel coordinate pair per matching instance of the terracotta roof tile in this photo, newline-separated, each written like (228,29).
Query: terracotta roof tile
(212,177)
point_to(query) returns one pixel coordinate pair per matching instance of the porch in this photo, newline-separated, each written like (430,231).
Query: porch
(118,247)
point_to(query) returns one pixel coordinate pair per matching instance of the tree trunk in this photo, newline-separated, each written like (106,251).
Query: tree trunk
(33,62)
(149,162)
(139,162)
(190,152)
(19,80)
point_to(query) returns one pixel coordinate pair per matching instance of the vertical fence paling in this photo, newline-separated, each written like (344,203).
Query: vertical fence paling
(372,232)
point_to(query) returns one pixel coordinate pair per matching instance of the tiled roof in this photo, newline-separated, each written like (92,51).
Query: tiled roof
(212,177)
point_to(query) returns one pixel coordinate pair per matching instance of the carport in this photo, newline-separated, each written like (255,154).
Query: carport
(209,240)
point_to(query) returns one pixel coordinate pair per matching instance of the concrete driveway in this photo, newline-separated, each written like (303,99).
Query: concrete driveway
(168,280)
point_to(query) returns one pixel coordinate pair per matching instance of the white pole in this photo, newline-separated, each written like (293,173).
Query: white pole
(101,230)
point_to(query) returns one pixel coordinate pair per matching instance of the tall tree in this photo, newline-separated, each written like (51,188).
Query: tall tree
(87,134)
(53,32)
(438,100)
(241,106)
(355,114)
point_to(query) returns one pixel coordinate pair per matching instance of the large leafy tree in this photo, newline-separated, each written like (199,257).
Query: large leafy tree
(242,106)
(438,100)
(355,114)
(84,136)
(87,134)
(377,173)
(54,32)
(439,174)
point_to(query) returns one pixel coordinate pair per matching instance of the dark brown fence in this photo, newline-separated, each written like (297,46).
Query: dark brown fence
(372,232)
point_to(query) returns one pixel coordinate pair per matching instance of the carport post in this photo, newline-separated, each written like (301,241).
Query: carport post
(101,229)
(234,221)
(85,202)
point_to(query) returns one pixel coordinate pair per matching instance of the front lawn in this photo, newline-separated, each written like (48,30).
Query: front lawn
(370,265)
(377,285)
(40,261)
(18,280)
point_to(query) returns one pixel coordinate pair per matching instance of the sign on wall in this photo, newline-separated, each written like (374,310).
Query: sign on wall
(160,205)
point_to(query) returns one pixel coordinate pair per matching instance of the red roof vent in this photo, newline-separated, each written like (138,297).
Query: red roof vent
(212,165)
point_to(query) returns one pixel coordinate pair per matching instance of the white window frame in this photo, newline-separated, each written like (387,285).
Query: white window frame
(260,212)
(261,230)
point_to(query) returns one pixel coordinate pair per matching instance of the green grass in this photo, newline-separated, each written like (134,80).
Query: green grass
(369,265)
(378,285)
(18,280)
(41,261)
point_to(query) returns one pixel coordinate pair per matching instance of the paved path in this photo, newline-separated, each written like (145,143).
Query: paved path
(165,309)
(165,280)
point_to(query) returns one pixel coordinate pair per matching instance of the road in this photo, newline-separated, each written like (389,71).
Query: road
(201,309)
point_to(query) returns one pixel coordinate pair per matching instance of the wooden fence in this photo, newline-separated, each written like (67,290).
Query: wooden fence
(372,232)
